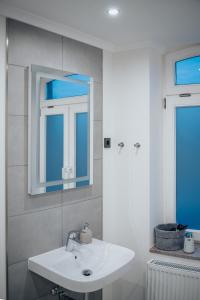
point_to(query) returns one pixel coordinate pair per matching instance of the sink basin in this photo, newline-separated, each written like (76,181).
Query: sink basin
(88,268)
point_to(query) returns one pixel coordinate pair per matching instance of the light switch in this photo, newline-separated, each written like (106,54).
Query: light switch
(107,142)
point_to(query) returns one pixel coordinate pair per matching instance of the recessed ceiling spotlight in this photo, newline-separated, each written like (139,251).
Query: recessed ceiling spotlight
(113,11)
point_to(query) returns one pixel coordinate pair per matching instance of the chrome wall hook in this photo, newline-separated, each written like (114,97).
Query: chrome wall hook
(121,145)
(137,145)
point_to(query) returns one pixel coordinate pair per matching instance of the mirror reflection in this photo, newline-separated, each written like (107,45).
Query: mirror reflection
(64,153)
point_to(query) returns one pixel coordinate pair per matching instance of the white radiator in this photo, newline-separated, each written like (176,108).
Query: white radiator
(171,281)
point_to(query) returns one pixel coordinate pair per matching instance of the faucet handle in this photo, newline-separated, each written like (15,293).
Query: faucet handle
(86,225)
(74,235)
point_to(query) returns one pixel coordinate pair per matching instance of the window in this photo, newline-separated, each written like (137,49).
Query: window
(182,71)
(188,166)
(64,133)
(187,71)
(54,149)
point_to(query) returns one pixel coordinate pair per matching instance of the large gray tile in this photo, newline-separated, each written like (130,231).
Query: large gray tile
(98,101)
(32,234)
(17,90)
(96,295)
(75,215)
(19,201)
(52,297)
(82,58)
(73,295)
(17,140)
(25,285)
(31,45)
(88,192)
(80,296)
(98,140)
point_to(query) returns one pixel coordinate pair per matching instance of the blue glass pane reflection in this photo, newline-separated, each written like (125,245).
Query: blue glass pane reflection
(57,89)
(54,150)
(81,147)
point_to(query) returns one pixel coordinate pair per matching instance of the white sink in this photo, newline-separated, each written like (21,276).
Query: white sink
(106,261)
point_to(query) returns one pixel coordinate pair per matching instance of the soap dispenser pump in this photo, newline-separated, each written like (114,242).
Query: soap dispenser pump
(86,234)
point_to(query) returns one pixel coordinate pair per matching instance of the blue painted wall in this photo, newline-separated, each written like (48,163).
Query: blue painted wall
(188,71)
(188,166)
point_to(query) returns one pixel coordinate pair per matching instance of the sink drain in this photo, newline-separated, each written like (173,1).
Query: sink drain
(87,272)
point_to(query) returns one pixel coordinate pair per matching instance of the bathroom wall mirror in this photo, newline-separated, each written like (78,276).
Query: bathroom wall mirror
(60,130)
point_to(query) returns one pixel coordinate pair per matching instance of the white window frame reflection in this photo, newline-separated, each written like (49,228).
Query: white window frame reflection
(68,109)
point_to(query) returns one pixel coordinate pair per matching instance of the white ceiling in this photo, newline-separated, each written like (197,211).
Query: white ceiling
(165,23)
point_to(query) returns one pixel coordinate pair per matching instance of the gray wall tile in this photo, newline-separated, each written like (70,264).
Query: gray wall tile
(50,297)
(19,201)
(31,45)
(73,295)
(25,285)
(17,90)
(75,215)
(17,140)
(35,224)
(98,141)
(89,192)
(82,58)
(98,101)
(32,234)
(96,295)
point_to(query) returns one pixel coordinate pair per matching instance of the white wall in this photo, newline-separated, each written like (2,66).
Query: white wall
(132,113)
(2,158)
(156,140)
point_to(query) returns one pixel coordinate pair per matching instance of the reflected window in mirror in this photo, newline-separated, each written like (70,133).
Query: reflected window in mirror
(62,127)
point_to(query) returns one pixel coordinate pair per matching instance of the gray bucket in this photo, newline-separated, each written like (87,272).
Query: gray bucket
(165,239)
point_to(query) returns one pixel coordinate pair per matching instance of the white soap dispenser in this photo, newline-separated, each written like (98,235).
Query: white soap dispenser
(189,243)
(86,234)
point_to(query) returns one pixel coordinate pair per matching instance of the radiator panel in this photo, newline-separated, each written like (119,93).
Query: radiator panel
(171,281)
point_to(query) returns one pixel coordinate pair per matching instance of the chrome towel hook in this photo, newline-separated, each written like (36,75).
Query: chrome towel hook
(121,145)
(137,145)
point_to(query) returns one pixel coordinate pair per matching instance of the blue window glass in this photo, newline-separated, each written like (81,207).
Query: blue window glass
(54,150)
(81,147)
(57,89)
(188,166)
(187,71)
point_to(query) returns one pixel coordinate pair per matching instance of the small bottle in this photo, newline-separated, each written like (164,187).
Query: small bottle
(189,243)
(86,234)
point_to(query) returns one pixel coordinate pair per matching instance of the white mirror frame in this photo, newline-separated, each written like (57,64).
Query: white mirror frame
(35,73)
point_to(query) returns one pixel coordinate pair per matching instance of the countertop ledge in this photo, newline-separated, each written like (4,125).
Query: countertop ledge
(179,253)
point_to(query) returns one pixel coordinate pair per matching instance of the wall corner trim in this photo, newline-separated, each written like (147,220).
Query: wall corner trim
(2,158)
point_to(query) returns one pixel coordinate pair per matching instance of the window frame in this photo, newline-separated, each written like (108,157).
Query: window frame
(169,152)
(170,87)
(68,109)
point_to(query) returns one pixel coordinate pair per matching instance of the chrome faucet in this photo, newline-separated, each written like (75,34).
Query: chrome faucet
(73,236)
